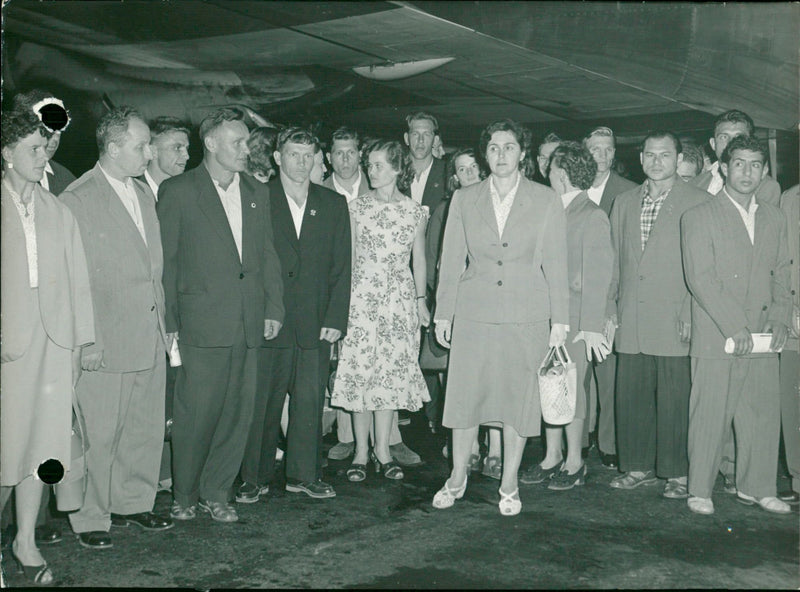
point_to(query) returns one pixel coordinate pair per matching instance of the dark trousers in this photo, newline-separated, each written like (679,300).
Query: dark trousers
(652,409)
(212,410)
(303,374)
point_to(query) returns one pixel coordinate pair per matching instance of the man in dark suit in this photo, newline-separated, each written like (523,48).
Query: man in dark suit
(312,237)
(606,187)
(224,296)
(121,392)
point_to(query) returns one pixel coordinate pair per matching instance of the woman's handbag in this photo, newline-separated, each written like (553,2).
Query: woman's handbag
(557,386)
(432,356)
(71,490)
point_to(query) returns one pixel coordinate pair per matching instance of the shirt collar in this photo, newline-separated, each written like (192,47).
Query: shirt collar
(569,196)
(48,168)
(116,184)
(427,170)
(356,185)
(647,193)
(233,187)
(752,206)
(511,194)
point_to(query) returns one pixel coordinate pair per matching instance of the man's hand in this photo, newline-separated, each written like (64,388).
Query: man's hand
(780,333)
(424,313)
(92,361)
(684,331)
(558,335)
(595,345)
(742,343)
(442,330)
(271,329)
(330,335)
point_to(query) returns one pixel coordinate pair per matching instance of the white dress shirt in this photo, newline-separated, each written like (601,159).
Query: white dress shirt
(44,181)
(418,185)
(502,207)
(349,195)
(567,198)
(717,182)
(748,215)
(297,213)
(596,193)
(231,199)
(127,195)
(153,185)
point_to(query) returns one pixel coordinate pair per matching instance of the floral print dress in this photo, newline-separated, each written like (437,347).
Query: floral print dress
(378,363)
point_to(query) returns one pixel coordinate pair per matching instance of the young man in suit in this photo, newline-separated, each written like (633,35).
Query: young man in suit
(607,185)
(727,126)
(736,258)
(650,302)
(121,391)
(224,295)
(311,226)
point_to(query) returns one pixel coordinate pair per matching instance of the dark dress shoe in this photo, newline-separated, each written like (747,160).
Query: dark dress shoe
(95,539)
(147,520)
(790,497)
(119,521)
(609,461)
(47,535)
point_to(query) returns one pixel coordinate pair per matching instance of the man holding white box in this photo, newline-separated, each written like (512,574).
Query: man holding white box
(736,262)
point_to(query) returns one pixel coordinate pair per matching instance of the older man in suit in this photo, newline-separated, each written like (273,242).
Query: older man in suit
(224,297)
(606,187)
(649,299)
(727,126)
(121,391)
(736,258)
(311,225)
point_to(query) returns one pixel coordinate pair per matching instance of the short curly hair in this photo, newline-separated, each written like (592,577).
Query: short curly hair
(750,143)
(577,162)
(261,144)
(398,158)
(19,123)
(113,126)
(522,134)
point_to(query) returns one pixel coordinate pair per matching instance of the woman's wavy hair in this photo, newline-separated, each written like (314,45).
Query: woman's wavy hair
(19,123)
(397,156)
(522,135)
(577,162)
(452,180)
(261,143)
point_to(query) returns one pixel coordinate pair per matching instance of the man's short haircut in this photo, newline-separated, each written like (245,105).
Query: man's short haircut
(520,133)
(744,143)
(550,138)
(164,124)
(113,126)
(735,116)
(658,134)
(216,118)
(296,135)
(419,115)
(398,157)
(576,160)
(344,133)
(693,154)
(600,132)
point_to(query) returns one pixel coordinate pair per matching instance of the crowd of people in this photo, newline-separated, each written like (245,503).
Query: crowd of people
(207,308)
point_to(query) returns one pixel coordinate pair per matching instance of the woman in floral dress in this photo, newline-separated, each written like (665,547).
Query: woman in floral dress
(378,370)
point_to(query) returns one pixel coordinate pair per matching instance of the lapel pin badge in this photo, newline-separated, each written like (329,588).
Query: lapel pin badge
(253,204)
(313,212)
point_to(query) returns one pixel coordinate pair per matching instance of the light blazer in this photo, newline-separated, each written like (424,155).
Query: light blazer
(124,272)
(768,190)
(648,293)
(734,284)
(363,187)
(790,205)
(209,290)
(520,277)
(590,258)
(315,267)
(65,299)
(614,187)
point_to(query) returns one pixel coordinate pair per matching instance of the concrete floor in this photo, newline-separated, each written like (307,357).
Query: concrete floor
(382,534)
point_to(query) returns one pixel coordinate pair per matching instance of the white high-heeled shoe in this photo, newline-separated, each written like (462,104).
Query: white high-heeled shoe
(508,505)
(446,497)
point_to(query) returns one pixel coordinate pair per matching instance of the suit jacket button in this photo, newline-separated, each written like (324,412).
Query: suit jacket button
(500,263)
(505,244)
(500,283)
(241,276)
(290,274)
(764,307)
(152,308)
(771,272)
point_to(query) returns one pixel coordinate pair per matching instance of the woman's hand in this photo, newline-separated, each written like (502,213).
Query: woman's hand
(558,335)
(595,345)
(442,331)
(424,313)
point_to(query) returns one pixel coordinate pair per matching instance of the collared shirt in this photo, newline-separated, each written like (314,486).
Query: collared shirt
(231,199)
(418,185)
(650,208)
(350,195)
(567,197)
(717,182)
(27,215)
(153,185)
(44,181)
(127,195)
(748,215)
(297,213)
(596,193)
(502,207)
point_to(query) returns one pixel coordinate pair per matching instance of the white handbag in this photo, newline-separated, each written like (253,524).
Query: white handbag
(557,386)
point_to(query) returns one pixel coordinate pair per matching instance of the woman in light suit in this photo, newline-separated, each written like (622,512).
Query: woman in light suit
(47,316)
(502,311)
(590,257)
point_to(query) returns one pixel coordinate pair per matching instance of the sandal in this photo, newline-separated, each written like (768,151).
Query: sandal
(474,463)
(221,512)
(508,505)
(40,575)
(493,467)
(179,512)
(357,472)
(391,470)
(446,496)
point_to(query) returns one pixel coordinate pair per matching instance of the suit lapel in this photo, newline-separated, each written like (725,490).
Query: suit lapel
(518,208)
(249,219)
(282,216)
(209,202)
(120,215)
(309,227)
(433,186)
(485,207)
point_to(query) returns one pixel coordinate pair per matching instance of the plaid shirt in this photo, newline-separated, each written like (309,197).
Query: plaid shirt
(650,208)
